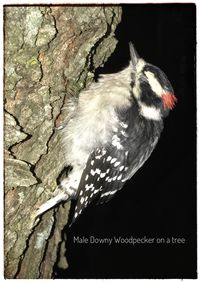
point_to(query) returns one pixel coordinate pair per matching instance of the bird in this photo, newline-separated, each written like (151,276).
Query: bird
(112,128)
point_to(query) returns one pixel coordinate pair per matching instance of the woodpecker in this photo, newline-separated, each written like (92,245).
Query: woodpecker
(113,128)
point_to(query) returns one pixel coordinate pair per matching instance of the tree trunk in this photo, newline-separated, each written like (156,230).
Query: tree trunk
(50,53)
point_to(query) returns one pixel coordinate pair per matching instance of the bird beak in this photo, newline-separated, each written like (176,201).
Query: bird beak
(169,100)
(134,55)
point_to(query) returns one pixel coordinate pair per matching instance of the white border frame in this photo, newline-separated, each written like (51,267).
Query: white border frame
(47,2)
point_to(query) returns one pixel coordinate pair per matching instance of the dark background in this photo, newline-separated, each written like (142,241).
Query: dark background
(160,200)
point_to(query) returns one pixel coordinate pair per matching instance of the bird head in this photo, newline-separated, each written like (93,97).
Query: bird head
(151,88)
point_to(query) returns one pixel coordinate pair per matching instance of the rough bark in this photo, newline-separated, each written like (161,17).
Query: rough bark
(50,52)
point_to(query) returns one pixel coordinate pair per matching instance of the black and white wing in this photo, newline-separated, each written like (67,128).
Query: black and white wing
(102,178)
(105,173)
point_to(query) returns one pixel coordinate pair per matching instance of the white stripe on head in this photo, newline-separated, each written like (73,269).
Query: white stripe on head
(153,82)
(140,65)
(149,112)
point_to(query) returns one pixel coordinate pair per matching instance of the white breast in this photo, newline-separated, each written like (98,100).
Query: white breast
(92,124)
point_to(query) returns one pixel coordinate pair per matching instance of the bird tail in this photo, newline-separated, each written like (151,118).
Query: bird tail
(62,196)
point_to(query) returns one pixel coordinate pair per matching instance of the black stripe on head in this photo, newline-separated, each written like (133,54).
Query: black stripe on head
(160,76)
(132,80)
(148,96)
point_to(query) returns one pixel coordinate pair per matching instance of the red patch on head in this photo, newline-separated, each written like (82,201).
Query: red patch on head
(169,100)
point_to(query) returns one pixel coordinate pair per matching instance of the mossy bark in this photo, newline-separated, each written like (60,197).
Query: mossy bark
(50,53)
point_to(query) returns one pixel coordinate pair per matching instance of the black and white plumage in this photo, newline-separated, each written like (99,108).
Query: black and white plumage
(112,130)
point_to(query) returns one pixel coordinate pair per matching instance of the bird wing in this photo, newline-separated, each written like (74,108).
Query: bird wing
(108,167)
(102,177)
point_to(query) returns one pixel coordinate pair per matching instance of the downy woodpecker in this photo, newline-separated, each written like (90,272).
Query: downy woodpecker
(113,128)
